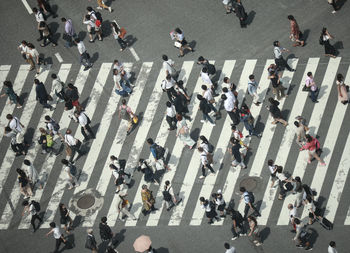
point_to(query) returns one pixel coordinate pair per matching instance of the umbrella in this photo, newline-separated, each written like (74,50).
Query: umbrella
(142,243)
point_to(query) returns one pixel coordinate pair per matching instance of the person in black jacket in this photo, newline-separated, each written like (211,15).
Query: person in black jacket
(91,241)
(41,94)
(204,107)
(105,231)
(72,95)
(276,112)
(241,14)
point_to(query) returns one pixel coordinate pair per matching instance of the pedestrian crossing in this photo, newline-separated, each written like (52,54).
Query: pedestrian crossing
(96,88)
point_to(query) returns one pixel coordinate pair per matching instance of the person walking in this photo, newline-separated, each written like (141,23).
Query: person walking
(90,242)
(23,182)
(123,207)
(227,246)
(102,5)
(285,183)
(105,230)
(121,88)
(241,14)
(183,132)
(158,154)
(254,230)
(168,87)
(84,122)
(329,50)
(13,97)
(47,35)
(53,127)
(237,222)
(253,86)
(333,3)
(15,125)
(239,137)
(169,66)
(312,145)
(311,85)
(219,201)
(292,215)
(300,132)
(206,109)
(119,36)
(33,58)
(46,7)
(342,89)
(248,121)
(295,33)
(180,37)
(173,200)
(207,80)
(209,208)
(273,169)
(41,94)
(127,114)
(73,144)
(71,173)
(118,177)
(65,219)
(55,230)
(249,199)
(332,247)
(148,171)
(181,100)
(69,31)
(58,88)
(32,208)
(93,26)
(23,48)
(39,16)
(204,162)
(301,235)
(208,95)
(314,212)
(18,148)
(32,174)
(275,112)
(211,70)
(231,108)
(72,96)
(170,116)
(148,200)
(235,152)
(207,147)
(298,191)
(84,56)
(279,60)
(277,87)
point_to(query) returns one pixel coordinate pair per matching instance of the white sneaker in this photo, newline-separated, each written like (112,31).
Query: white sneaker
(110,9)
(334,12)
(202,177)
(213,124)
(234,238)
(99,8)
(202,121)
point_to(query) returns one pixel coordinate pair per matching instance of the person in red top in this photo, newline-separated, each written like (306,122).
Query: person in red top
(295,34)
(311,145)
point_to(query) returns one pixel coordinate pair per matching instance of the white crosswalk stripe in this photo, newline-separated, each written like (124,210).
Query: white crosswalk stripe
(189,188)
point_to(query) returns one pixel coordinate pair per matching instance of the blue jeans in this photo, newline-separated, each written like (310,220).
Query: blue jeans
(212,107)
(125,89)
(207,117)
(314,95)
(250,128)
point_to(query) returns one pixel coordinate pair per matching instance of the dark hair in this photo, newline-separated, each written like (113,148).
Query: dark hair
(65,161)
(24,42)
(168,77)
(224,89)
(275,43)
(30,45)
(9,116)
(89,8)
(113,157)
(150,141)
(167,182)
(308,137)
(223,97)
(42,24)
(178,117)
(226,79)
(52,224)
(47,117)
(87,16)
(124,101)
(296,220)
(8,84)
(233,127)
(324,30)
(251,77)
(25,203)
(297,179)
(112,166)
(36,81)
(70,86)
(279,169)
(200,149)
(35,10)
(116,28)
(104,219)
(53,76)
(308,198)
(204,87)
(63,19)
(290,17)
(204,139)
(214,195)
(226,245)
(20,172)
(168,104)
(177,30)
(242,189)
(200,58)
(205,70)
(77,40)
(165,58)
(180,83)
(8,129)
(309,74)
(200,97)
(202,199)
(296,123)
(340,77)
(332,244)
(270,162)
(27,162)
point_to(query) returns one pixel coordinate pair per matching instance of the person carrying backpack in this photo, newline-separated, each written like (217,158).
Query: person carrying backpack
(46,141)
(210,67)
(53,127)
(169,196)
(209,208)
(158,153)
(205,108)
(71,172)
(33,208)
(248,198)
(105,230)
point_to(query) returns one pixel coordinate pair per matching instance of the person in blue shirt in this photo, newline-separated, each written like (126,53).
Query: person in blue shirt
(159,158)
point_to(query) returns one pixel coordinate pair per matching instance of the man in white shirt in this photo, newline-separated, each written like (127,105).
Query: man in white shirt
(292,214)
(84,56)
(170,115)
(169,66)
(55,230)
(23,48)
(231,108)
(168,86)
(205,77)
(57,88)
(71,178)
(279,60)
(84,122)
(17,127)
(39,18)
(205,163)
(208,95)
(73,143)
(229,249)
(30,208)
(331,247)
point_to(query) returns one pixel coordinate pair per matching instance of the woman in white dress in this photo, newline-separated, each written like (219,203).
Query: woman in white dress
(183,132)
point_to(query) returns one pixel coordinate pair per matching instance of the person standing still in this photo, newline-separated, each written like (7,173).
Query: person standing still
(90,242)
(55,230)
(69,31)
(84,56)
(295,34)
(279,60)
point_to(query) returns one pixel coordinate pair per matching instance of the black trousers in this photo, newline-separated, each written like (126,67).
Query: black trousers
(121,42)
(48,39)
(75,148)
(246,210)
(35,217)
(58,243)
(41,34)
(88,128)
(171,121)
(282,64)
(209,167)
(240,226)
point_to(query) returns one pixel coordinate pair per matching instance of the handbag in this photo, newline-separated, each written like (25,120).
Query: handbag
(135,119)
(307,89)
(177,44)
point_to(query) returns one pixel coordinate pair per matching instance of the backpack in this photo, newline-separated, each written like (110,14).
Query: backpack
(211,69)
(36,205)
(55,125)
(207,109)
(49,141)
(72,169)
(210,148)
(160,151)
(251,197)
(167,195)
(321,40)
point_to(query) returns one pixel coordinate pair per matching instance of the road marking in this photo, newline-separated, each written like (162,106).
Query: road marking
(59,58)
(133,52)
(27,6)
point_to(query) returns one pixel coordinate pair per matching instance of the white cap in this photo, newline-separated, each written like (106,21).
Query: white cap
(219,191)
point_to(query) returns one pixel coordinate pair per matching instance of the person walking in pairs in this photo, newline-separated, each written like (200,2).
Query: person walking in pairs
(276,112)
(312,145)
(295,34)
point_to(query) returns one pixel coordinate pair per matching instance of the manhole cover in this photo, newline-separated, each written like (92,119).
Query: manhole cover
(249,183)
(86,201)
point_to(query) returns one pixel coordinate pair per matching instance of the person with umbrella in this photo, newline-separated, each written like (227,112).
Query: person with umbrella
(143,244)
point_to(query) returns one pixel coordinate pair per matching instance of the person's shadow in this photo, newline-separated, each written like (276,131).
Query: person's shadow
(250,17)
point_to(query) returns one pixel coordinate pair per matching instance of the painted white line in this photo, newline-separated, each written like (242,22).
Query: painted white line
(121,133)
(27,6)
(59,58)
(347,219)
(321,171)
(314,123)
(161,138)
(133,52)
(289,135)
(221,146)
(26,116)
(15,194)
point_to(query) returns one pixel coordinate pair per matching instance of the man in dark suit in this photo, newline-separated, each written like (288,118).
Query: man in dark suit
(241,14)
(41,94)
